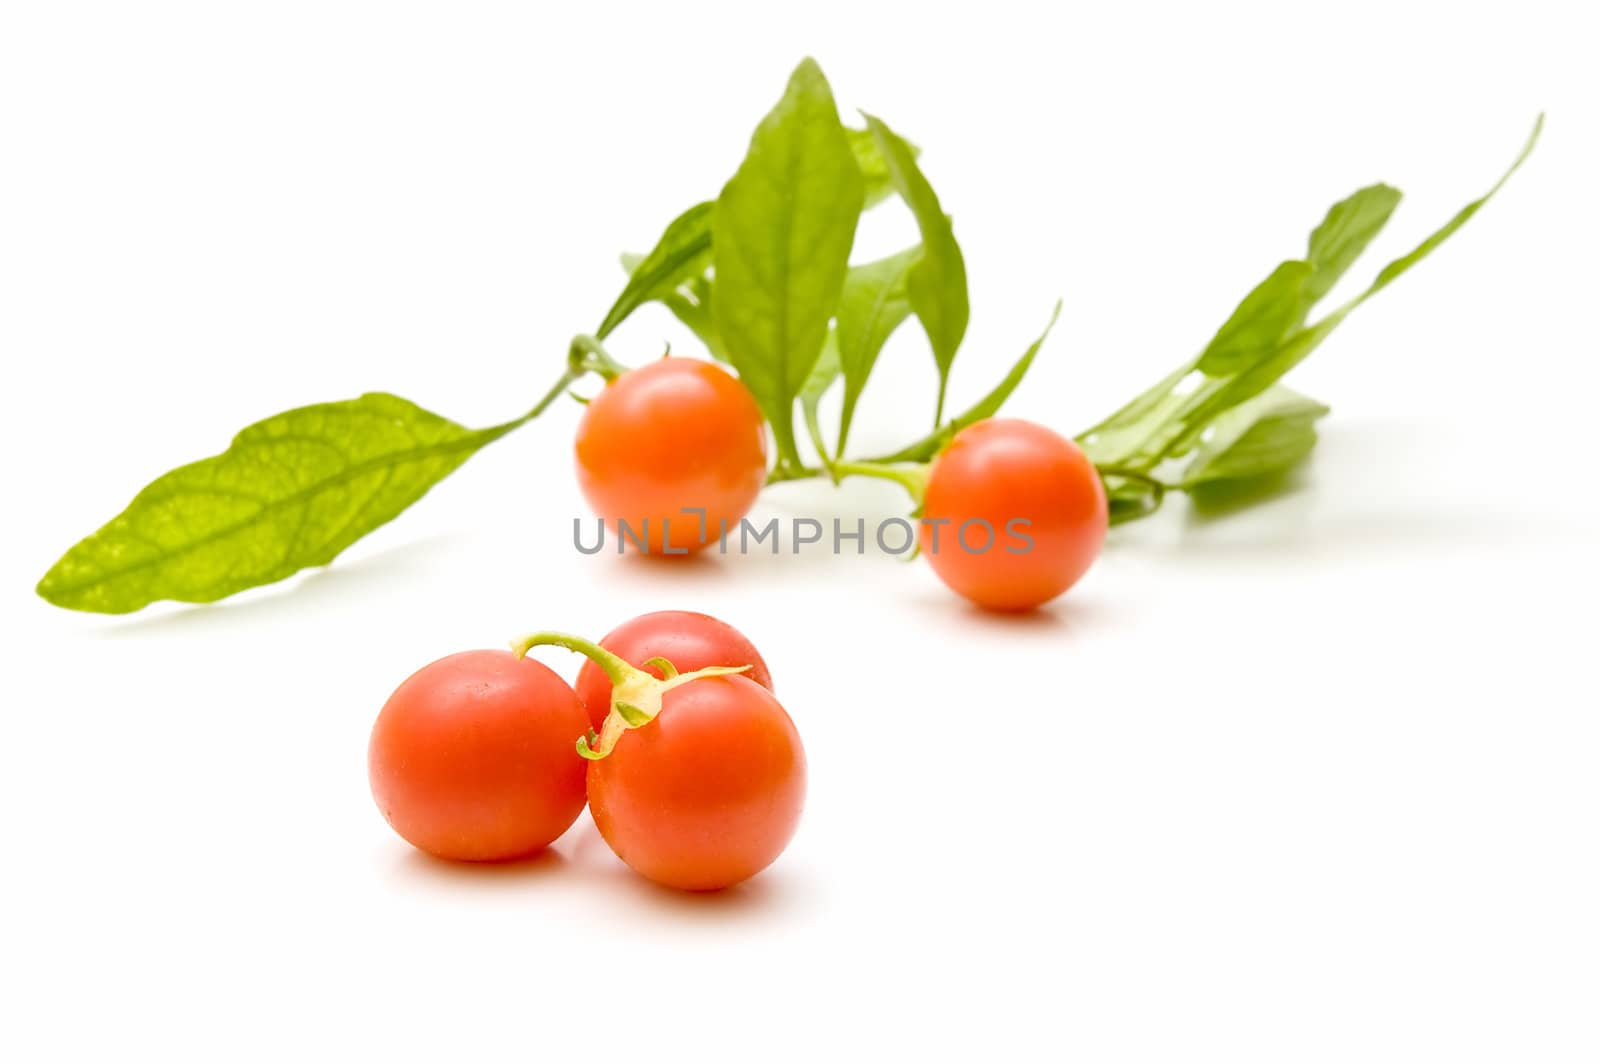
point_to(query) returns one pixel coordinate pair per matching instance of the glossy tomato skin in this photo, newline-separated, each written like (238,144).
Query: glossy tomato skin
(676,434)
(998,472)
(706,794)
(691,641)
(474,757)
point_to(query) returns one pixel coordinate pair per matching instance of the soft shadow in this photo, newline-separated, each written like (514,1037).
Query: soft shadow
(305,591)
(1051,618)
(761,897)
(671,572)
(417,865)
(1063,616)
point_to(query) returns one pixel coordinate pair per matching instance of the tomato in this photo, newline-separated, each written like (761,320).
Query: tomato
(690,641)
(676,434)
(1013,515)
(474,757)
(706,794)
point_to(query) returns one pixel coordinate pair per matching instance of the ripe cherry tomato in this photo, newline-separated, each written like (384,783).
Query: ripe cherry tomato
(691,641)
(473,757)
(993,476)
(706,794)
(676,434)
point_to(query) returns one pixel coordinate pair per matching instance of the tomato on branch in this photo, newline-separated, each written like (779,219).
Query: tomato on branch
(696,779)
(672,452)
(689,640)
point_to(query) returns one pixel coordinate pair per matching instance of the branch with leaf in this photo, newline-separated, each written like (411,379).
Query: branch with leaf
(762,275)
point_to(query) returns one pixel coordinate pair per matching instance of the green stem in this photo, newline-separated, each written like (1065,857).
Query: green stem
(635,694)
(814,429)
(922,450)
(616,669)
(783,435)
(568,378)
(914,478)
(785,473)
(1136,475)
(586,354)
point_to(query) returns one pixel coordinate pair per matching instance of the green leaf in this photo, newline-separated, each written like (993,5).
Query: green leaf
(1260,321)
(990,404)
(1125,433)
(682,252)
(782,232)
(986,407)
(1422,250)
(1298,346)
(291,491)
(938,282)
(1268,434)
(1204,407)
(872,305)
(1179,426)
(823,374)
(690,303)
(876,181)
(1130,500)
(1348,228)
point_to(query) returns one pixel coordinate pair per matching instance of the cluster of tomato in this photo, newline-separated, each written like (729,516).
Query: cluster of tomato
(696,783)
(681,435)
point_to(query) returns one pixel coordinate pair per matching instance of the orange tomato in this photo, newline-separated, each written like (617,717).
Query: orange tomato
(690,641)
(677,434)
(474,757)
(1013,514)
(706,794)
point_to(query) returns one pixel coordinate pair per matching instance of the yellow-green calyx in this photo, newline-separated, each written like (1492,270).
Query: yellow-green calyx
(635,694)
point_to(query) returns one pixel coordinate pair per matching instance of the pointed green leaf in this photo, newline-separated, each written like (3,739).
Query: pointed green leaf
(782,232)
(1299,345)
(938,282)
(1464,215)
(872,305)
(1268,434)
(878,184)
(986,407)
(1348,228)
(990,404)
(690,303)
(291,491)
(823,374)
(1125,433)
(1130,500)
(1260,321)
(682,252)
(1181,429)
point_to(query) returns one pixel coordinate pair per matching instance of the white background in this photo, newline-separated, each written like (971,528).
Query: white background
(1317,782)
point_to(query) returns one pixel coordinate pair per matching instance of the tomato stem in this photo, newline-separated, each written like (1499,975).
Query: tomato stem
(635,694)
(616,669)
(567,380)
(586,355)
(664,666)
(785,473)
(1118,472)
(914,477)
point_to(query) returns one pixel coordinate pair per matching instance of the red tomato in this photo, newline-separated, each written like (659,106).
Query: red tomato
(1020,514)
(691,641)
(474,758)
(676,434)
(706,794)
